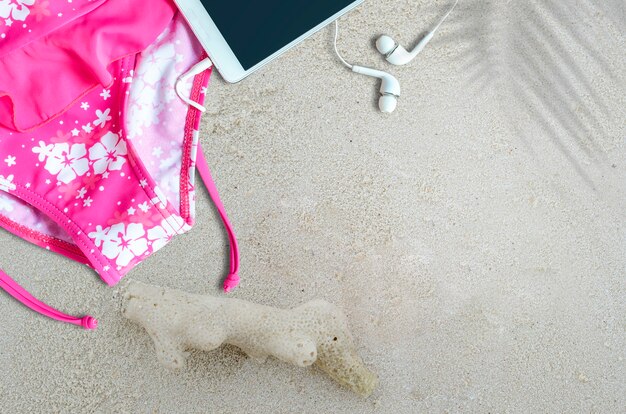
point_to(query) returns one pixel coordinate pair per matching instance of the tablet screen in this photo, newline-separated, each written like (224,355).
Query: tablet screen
(255,30)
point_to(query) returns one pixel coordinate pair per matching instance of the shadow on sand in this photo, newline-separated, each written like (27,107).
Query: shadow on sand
(540,56)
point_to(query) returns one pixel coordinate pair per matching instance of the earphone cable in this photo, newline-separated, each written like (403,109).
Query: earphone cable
(335,46)
(445,17)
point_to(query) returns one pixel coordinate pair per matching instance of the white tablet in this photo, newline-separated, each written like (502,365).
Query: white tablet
(241,36)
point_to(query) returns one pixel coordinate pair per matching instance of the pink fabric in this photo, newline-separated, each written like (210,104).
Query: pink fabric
(232,280)
(84,171)
(68,56)
(19,293)
(106,177)
(44,16)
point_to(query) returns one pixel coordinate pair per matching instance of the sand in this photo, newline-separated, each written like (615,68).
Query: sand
(475,238)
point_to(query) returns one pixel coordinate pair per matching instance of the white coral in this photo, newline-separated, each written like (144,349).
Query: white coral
(313,333)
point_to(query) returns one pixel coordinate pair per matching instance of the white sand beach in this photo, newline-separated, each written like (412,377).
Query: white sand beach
(475,238)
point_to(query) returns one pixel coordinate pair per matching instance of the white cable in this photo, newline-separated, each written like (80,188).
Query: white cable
(445,17)
(335,45)
(196,69)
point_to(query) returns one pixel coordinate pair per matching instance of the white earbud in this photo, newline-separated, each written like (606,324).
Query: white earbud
(398,55)
(389,88)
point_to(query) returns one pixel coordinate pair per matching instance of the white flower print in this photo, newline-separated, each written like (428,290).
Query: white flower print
(157,63)
(67,162)
(151,99)
(103,117)
(157,152)
(160,235)
(173,161)
(81,193)
(10,160)
(144,207)
(5,203)
(16,9)
(6,183)
(143,115)
(43,150)
(108,153)
(124,243)
(106,94)
(98,236)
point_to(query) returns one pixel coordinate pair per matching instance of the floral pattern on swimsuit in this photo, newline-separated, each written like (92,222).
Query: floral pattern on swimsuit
(109,181)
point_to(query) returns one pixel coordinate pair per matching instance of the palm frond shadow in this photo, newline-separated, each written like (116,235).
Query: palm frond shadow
(614,11)
(531,54)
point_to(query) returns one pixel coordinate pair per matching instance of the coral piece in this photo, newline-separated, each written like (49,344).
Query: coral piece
(313,333)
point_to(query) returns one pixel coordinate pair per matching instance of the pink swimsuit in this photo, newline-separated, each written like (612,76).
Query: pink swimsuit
(97,151)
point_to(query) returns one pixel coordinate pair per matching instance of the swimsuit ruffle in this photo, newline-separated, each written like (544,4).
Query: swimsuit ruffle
(47,72)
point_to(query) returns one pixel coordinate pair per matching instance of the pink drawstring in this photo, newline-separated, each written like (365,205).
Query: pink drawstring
(87,322)
(27,299)
(232,280)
